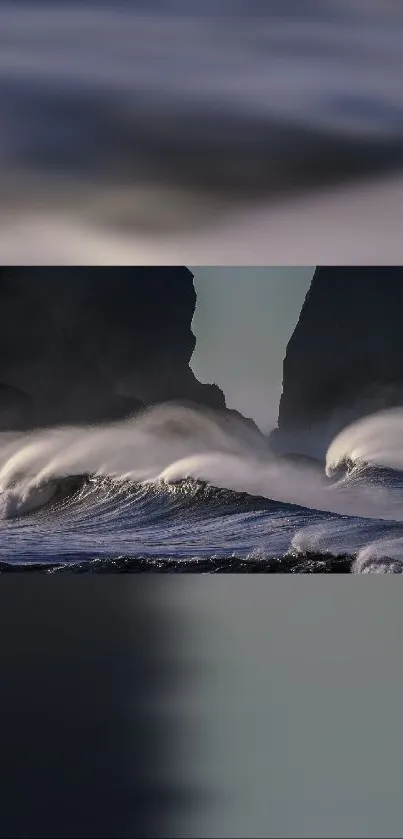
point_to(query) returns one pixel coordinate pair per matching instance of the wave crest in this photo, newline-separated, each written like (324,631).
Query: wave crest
(190,489)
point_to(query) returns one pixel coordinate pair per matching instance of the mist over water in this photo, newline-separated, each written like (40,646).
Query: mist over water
(182,485)
(375,440)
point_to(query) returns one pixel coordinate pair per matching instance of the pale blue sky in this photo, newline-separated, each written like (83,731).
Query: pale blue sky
(243,321)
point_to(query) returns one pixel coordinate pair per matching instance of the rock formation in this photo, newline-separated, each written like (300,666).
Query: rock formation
(345,358)
(94,344)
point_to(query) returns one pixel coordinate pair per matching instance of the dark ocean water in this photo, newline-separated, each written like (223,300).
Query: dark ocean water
(178,490)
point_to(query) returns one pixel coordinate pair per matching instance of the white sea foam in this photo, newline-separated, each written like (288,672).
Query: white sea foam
(169,443)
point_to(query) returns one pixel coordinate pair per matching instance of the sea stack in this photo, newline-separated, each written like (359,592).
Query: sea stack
(345,357)
(84,345)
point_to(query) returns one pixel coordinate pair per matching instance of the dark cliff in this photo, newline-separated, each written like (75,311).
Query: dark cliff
(95,344)
(345,358)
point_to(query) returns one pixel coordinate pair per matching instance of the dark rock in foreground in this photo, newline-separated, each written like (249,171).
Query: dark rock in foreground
(310,563)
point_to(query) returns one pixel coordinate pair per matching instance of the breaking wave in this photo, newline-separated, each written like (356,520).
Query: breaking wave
(183,489)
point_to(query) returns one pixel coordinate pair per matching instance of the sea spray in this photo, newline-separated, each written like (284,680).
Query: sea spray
(169,443)
(376,440)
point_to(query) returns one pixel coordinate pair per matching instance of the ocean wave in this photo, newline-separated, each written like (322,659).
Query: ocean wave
(177,488)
